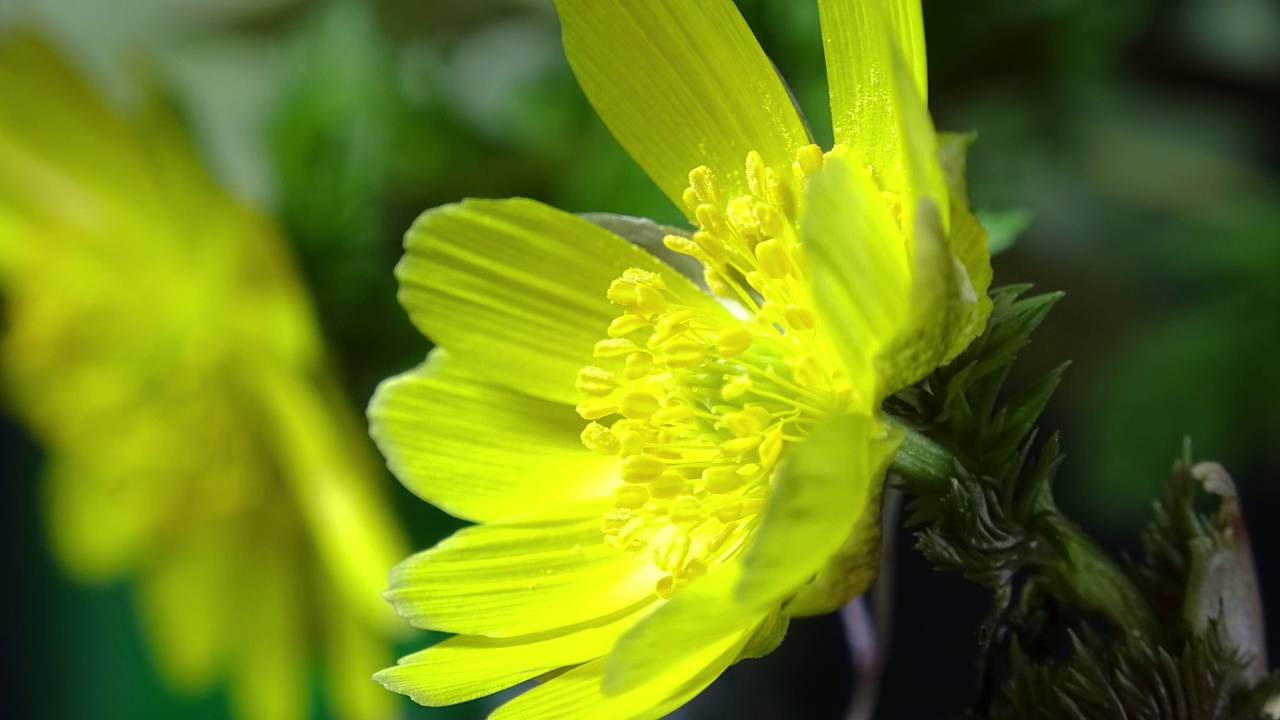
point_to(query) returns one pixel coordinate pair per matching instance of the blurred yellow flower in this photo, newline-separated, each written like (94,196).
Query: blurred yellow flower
(664,473)
(161,347)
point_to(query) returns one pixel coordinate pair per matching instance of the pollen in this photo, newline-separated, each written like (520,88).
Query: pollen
(701,408)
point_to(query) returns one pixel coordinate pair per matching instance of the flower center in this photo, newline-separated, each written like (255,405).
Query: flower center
(701,407)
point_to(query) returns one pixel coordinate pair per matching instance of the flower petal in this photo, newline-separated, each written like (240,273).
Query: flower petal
(877,101)
(854,38)
(352,650)
(861,279)
(817,499)
(578,694)
(941,307)
(701,615)
(522,576)
(465,667)
(682,84)
(187,601)
(918,154)
(478,450)
(968,239)
(516,290)
(268,674)
(852,568)
(325,464)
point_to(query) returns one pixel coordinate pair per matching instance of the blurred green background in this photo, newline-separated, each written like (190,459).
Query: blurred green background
(1131,147)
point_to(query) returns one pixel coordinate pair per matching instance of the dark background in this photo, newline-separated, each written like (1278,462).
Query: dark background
(1136,141)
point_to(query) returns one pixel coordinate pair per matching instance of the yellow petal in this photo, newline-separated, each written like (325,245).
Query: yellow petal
(701,615)
(682,84)
(968,242)
(861,275)
(878,100)
(852,57)
(352,652)
(917,154)
(852,568)
(819,495)
(333,479)
(187,602)
(465,667)
(941,306)
(101,519)
(578,695)
(522,576)
(516,290)
(481,451)
(968,239)
(270,668)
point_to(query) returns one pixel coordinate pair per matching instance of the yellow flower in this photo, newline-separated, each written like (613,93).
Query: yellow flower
(663,473)
(162,349)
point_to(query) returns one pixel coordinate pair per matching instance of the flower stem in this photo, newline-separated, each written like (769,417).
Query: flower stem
(1078,571)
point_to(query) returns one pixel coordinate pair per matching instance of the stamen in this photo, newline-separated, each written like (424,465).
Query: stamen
(700,407)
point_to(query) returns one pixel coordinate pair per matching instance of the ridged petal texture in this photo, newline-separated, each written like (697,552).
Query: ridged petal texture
(681,84)
(737,456)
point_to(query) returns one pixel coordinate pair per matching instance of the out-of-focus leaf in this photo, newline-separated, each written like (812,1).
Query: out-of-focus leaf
(333,138)
(1004,227)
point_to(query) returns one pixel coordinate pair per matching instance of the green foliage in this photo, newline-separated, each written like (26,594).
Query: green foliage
(981,522)
(1130,679)
(1176,635)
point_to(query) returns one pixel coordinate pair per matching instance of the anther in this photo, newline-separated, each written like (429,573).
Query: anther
(640,276)
(717,283)
(672,414)
(781,195)
(637,404)
(596,408)
(721,479)
(649,300)
(632,442)
(750,421)
(668,485)
(600,439)
(637,365)
(683,352)
(642,469)
(690,198)
(596,381)
(799,318)
(773,258)
(709,244)
(630,496)
(703,182)
(740,446)
(771,448)
(809,160)
(614,347)
(682,245)
(626,324)
(733,341)
(755,174)
(807,369)
(627,535)
(770,221)
(735,388)
(621,292)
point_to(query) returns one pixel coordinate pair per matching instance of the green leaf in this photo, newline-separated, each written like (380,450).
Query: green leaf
(1004,227)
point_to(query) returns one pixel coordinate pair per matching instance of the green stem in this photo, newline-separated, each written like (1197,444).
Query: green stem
(922,460)
(1083,574)
(1079,572)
